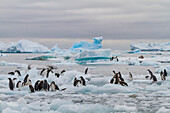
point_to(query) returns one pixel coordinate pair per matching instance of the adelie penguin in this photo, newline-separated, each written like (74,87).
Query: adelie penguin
(120,76)
(57,75)
(41,73)
(26,79)
(153,77)
(40,86)
(19,85)
(11,73)
(162,75)
(11,83)
(53,86)
(48,71)
(62,72)
(18,72)
(165,73)
(45,85)
(31,89)
(36,85)
(83,82)
(86,70)
(76,81)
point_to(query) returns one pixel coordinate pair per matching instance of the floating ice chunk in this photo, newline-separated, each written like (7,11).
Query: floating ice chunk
(163,110)
(93,55)
(151,47)
(85,108)
(8,110)
(83,45)
(123,108)
(23,46)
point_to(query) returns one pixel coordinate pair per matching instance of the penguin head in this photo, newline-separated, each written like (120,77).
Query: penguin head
(14,78)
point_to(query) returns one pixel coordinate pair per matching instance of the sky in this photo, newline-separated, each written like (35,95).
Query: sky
(79,19)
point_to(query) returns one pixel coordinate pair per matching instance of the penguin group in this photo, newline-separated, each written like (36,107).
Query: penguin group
(118,79)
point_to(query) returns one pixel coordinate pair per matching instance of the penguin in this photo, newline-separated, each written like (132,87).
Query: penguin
(111,58)
(56,87)
(116,58)
(36,85)
(57,74)
(120,76)
(123,83)
(26,79)
(17,71)
(11,73)
(76,81)
(19,85)
(116,81)
(114,72)
(154,78)
(31,88)
(86,70)
(165,73)
(40,86)
(130,75)
(162,76)
(29,67)
(41,73)
(62,72)
(11,84)
(48,71)
(150,72)
(45,85)
(112,80)
(29,82)
(147,77)
(83,82)
(53,86)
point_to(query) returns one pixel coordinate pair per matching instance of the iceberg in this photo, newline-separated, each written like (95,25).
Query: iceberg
(23,46)
(93,55)
(150,47)
(83,45)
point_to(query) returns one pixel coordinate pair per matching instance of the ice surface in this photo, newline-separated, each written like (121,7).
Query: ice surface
(151,47)
(83,45)
(23,46)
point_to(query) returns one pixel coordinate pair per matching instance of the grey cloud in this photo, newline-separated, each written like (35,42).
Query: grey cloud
(124,19)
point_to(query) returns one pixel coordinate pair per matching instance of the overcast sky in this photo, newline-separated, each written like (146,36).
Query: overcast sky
(112,19)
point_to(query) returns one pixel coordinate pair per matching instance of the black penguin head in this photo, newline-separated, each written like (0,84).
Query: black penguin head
(27,75)
(14,78)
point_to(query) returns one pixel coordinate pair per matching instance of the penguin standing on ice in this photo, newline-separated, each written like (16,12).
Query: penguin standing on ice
(162,75)
(45,85)
(40,86)
(31,89)
(36,85)
(57,75)
(165,73)
(53,86)
(48,71)
(130,75)
(41,73)
(120,76)
(18,72)
(153,77)
(86,70)
(83,82)
(11,83)
(62,72)
(26,79)
(76,81)
(19,85)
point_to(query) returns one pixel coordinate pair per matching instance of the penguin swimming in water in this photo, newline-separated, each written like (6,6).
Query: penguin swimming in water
(36,85)
(86,71)
(83,82)
(31,89)
(76,81)
(19,85)
(18,72)
(11,83)
(26,79)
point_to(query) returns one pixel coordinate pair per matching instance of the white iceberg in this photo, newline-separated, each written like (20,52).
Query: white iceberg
(23,46)
(83,45)
(150,47)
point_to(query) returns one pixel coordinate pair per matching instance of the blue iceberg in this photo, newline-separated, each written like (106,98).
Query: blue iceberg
(83,45)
